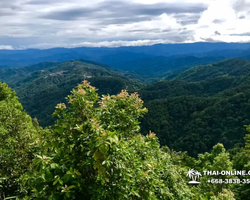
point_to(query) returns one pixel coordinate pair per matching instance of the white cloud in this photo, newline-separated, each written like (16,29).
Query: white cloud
(220,10)
(6,47)
(115,43)
(157,25)
(223,18)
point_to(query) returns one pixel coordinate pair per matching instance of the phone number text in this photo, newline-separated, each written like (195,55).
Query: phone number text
(229,181)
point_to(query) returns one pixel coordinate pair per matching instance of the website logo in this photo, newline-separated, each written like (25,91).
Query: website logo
(194,176)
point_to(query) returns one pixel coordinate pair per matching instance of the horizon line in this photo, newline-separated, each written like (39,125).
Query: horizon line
(118,46)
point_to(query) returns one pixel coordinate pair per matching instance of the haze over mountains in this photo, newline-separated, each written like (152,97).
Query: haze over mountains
(118,56)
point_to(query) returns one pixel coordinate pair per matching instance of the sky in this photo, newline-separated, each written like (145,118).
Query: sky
(95,23)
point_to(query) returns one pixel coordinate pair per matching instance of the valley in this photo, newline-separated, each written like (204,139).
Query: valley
(201,105)
(195,104)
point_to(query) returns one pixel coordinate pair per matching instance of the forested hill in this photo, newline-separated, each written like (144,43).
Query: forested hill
(207,105)
(40,87)
(191,112)
(229,67)
(95,151)
(161,66)
(11,74)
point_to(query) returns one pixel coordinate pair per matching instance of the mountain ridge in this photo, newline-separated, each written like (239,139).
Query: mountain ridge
(102,54)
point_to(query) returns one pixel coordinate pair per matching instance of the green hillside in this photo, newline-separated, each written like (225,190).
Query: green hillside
(229,67)
(202,106)
(49,83)
(94,150)
(160,66)
(174,88)
(193,116)
(11,74)
(195,124)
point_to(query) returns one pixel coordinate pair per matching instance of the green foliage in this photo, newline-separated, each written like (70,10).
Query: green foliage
(224,195)
(193,116)
(217,160)
(182,113)
(225,68)
(241,161)
(17,136)
(46,84)
(96,152)
(12,74)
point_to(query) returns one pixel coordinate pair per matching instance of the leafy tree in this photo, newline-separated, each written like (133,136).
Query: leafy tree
(241,161)
(224,195)
(95,151)
(217,160)
(17,136)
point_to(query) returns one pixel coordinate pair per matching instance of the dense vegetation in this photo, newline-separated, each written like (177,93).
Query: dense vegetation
(160,66)
(226,68)
(95,151)
(17,135)
(93,148)
(41,88)
(192,112)
(204,105)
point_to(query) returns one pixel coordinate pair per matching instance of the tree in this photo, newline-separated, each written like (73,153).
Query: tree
(241,161)
(217,160)
(17,136)
(224,195)
(96,152)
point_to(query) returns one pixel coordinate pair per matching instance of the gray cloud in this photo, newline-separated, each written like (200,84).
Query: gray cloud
(190,21)
(217,33)
(150,30)
(242,17)
(123,20)
(241,34)
(47,23)
(71,14)
(209,40)
(186,33)
(187,18)
(121,9)
(43,2)
(241,5)
(218,21)
(6,13)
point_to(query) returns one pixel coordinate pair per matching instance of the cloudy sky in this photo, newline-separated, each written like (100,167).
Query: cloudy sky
(73,23)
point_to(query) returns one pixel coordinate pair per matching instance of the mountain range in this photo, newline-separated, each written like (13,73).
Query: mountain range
(112,56)
(195,99)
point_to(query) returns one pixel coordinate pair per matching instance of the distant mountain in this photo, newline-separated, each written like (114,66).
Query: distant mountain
(230,67)
(3,66)
(161,66)
(110,56)
(19,58)
(186,48)
(226,53)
